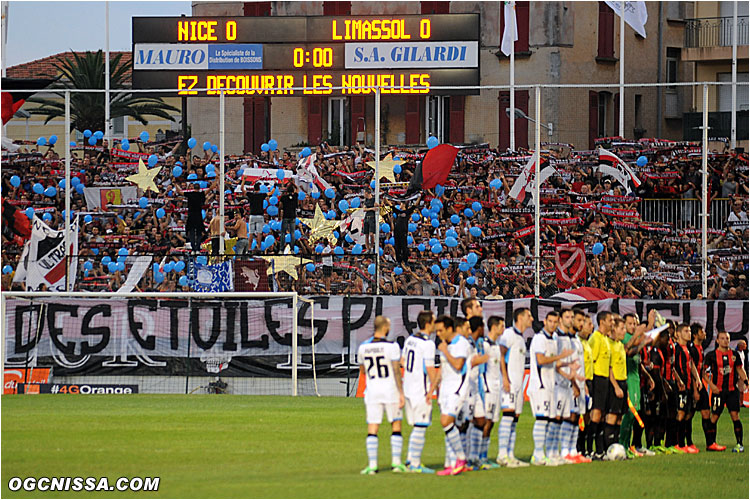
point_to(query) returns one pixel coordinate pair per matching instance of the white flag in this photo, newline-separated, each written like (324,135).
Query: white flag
(636,15)
(525,183)
(510,32)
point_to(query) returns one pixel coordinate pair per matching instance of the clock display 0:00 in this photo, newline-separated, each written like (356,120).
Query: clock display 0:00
(322,57)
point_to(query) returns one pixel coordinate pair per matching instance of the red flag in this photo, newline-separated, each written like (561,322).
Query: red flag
(437,165)
(570,265)
(12,101)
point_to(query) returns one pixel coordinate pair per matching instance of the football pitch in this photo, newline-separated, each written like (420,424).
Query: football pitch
(204,446)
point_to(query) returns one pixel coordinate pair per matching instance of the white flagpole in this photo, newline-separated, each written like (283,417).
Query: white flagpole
(733,138)
(513,88)
(704,200)
(537,199)
(68,281)
(622,69)
(377,190)
(221,172)
(107,132)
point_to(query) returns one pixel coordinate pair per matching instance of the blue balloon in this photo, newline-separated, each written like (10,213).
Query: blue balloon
(475,231)
(468,213)
(169,267)
(398,271)
(356,202)
(125,145)
(144,136)
(338,251)
(112,267)
(87,218)
(123,251)
(263,189)
(88,265)
(397,169)
(107,259)
(471,280)
(310,267)
(432,141)
(315,195)
(436,249)
(421,247)
(30,212)
(444,263)
(52,140)
(330,215)
(463,266)
(7,269)
(451,233)
(273,200)
(412,227)
(451,242)
(597,248)
(330,193)
(74,181)
(80,188)
(472,258)
(439,190)
(177,171)
(349,238)
(343,205)
(297,234)
(202,259)
(336,234)
(273,145)
(287,238)
(371,269)
(435,269)
(476,206)
(180,265)
(95,250)
(435,223)
(159,277)
(385,227)
(214,148)
(87,133)
(160,213)
(641,161)
(99,134)
(183,281)
(357,249)
(273,210)
(206,146)
(72,144)
(433,241)
(15,181)
(390,241)
(455,219)
(410,240)
(152,160)
(436,204)
(319,248)
(143,202)
(496,184)
(306,152)
(192,142)
(280,174)
(264,147)
(47,217)
(120,266)
(372,184)
(41,141)
(301,195)
(92,141)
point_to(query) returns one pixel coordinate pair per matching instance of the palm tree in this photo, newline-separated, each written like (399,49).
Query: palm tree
(87,109)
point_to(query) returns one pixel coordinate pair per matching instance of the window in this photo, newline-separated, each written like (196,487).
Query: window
(725,92)
(602,113)
(337,8)
(338,121)
(606,45)
(256,9)
(435,7)
(118,126)
(638,118)
(673,58)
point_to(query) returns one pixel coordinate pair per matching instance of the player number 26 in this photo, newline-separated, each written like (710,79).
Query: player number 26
(381,367)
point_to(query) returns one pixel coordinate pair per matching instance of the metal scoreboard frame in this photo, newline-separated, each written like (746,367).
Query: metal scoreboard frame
(406,54)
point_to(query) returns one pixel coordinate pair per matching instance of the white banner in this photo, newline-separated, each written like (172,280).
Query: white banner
(43,259)
(174,56)
(97,198)
(394,55)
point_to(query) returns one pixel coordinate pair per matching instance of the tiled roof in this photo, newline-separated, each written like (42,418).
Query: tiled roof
(45,67)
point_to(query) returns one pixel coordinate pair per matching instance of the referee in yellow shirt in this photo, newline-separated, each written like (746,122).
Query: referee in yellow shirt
(600,354)
(618,378)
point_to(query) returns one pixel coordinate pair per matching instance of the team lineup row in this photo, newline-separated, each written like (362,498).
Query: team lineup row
(587,387)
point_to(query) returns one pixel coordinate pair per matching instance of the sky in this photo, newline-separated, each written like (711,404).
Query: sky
(41,29)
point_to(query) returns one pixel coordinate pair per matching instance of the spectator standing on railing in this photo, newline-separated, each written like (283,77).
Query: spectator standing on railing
(289,202)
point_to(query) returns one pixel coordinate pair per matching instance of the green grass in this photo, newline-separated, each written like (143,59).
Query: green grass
(247,446)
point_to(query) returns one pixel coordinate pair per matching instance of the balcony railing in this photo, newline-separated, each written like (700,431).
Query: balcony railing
(715,32)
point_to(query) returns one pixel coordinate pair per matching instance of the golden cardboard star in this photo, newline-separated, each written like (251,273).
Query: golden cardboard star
(144,179)
(320,227)
(286,263)
(386,167)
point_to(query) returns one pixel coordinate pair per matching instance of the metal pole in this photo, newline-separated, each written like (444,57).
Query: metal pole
(68,281)
(107,118)
(733,139)
(659,90)
(537,199)
(222,109)
(622,69)
(513,90)
(294,344)
(704,213)
(377,190)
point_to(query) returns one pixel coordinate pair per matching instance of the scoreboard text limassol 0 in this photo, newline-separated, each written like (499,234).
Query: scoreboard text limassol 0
(276,54)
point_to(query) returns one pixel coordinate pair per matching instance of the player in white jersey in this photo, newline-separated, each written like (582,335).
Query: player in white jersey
(477,392)
(454,353)
(379,364)
(578,406)
(420,382)
(564,391)
(512,368)
(492,386)
(544,361)
(466,410)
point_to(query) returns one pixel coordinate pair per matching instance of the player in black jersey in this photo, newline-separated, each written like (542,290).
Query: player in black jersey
(698,334)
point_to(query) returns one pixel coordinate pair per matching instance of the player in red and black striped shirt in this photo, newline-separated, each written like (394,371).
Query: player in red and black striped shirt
(685,398)
(698,334)
(727,379)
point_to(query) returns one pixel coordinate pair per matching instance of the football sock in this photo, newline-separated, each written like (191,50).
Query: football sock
(565,433)
(582,438)
(649,421)
(464,440)
(475,442)
(503,436)
(626,428)
(708,431)
(397,443)
(372,450)
(485,448)
(681,433)
(416,444)
(512,442)
(539,433)
(671,433)
(689,431)
(610,435)
(598,430)
(738,431)
(550,439)
(454,440)
(637,436)
(450,456)
(591,432)
(574,438)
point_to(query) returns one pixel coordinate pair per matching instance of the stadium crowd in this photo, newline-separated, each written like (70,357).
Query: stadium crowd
(468,238)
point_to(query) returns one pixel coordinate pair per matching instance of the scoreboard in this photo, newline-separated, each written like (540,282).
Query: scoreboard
(407,54)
